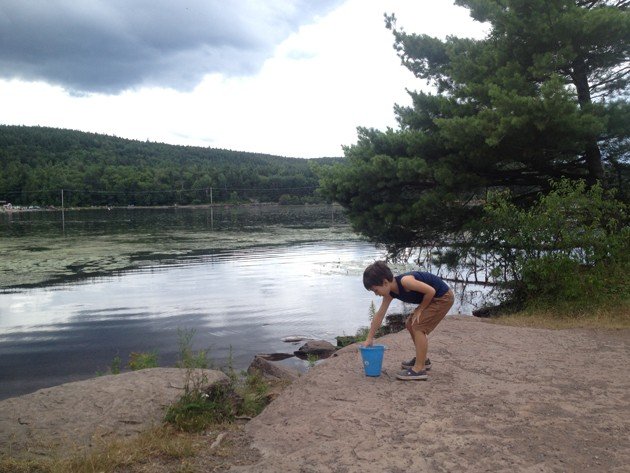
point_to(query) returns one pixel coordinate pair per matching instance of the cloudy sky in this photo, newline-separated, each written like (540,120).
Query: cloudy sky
(287,77)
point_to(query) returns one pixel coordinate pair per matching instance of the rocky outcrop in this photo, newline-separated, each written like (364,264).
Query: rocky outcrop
(80,414)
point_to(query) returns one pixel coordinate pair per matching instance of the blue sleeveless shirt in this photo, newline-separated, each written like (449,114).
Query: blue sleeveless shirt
(414,297)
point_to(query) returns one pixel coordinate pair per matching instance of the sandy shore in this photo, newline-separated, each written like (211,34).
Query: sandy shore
(499,399)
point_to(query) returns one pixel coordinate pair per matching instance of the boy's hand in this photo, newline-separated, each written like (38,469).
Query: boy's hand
(416,317)
(368,342)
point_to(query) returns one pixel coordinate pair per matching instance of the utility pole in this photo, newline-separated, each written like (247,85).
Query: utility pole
(63,215)
(211,211)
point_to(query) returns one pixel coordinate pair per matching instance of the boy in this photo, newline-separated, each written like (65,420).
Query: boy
(432,294)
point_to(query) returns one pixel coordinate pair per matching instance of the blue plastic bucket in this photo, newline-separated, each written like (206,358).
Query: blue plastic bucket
(372,357)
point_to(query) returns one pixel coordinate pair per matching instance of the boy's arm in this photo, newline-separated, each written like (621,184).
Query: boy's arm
(412,284)
(377,320)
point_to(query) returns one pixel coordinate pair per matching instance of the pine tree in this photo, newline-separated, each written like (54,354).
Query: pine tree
(542,97)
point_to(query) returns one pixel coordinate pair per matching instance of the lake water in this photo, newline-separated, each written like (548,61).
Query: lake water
(78,290)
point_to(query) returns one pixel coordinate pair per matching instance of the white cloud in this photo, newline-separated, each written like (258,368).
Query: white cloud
(323,81)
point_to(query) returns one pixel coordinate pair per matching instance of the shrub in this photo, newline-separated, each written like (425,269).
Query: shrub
(197,408)
(570,249)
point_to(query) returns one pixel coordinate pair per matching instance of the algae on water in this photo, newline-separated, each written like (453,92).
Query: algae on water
(45,259)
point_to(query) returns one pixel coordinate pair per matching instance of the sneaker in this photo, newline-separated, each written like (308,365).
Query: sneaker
(409,364)
(410,374)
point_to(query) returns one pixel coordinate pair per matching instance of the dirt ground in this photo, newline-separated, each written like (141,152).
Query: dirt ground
(499,399)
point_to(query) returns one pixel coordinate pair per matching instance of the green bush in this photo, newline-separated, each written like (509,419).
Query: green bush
(198,409)
(570,249)
(201,407)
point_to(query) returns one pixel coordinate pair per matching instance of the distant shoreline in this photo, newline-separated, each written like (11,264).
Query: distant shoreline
(20,209)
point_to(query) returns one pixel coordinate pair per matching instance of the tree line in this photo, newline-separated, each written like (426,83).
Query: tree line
(94,169)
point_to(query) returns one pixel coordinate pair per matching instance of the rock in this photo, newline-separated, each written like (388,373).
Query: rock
(80,413)
(271,371)
(275,356)
(395,322)
(319,348)
(484,312)
(294,338)
(497,310)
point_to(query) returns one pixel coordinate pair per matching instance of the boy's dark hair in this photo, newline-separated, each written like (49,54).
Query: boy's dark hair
(375,273)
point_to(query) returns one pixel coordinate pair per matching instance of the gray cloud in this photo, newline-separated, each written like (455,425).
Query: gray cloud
(112,45)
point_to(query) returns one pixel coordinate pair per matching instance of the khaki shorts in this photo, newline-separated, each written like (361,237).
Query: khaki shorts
(433,314)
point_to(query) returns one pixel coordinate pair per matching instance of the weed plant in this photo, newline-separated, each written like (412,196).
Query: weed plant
(201,406)
(116,365)
(140,360)
(187,358)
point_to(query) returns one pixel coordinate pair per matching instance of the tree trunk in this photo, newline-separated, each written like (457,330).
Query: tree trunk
(592,153)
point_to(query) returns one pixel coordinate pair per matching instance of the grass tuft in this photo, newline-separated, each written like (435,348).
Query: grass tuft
(160,442)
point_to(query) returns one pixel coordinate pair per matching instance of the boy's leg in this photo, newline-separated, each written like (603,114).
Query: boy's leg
(430,318)
(409,329)
(409,363)
(422,346)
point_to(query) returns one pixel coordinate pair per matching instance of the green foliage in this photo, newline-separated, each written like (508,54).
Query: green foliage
(362,332)
(371,311)
(253,391)
(570,249)
(361,335)
(541,97)
(116,365)
(198,408)
(201,407)
(36,163)
(312,359)
(140,360)
(187,357)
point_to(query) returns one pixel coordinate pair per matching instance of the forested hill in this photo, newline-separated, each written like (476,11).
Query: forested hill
(92,169)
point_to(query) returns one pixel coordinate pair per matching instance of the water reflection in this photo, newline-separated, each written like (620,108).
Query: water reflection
(138,220)
(247,301)
(240,299)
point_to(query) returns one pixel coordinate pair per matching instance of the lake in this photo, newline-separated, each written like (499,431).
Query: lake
(80,288)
